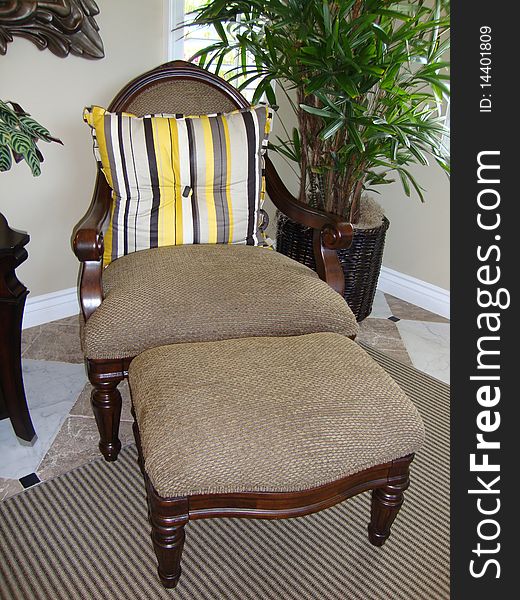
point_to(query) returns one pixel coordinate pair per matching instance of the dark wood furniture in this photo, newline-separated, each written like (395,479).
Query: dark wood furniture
(330,233)
(13,403)
(168,516)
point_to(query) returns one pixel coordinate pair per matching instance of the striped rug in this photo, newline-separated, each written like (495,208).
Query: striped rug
(85,535)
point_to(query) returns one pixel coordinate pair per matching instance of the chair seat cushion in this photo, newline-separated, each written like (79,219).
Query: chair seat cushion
(266,414)
(208,292)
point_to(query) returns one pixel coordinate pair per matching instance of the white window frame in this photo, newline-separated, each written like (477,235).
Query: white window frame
(174,46)
(174,14)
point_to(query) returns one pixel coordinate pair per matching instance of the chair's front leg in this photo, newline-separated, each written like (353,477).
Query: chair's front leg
(106,404)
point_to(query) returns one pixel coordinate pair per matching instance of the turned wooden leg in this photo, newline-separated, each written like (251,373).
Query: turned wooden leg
(167,544)
(106,404)
(386,502)
(167,518)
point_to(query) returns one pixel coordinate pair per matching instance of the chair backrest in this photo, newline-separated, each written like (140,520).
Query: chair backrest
(178,87)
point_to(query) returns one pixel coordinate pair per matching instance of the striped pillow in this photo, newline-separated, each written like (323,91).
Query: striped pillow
(181,180)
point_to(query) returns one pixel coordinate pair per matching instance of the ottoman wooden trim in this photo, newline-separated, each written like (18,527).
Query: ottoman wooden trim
(168,516)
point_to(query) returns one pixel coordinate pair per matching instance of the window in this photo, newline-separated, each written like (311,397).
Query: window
(447,124)
(183,44)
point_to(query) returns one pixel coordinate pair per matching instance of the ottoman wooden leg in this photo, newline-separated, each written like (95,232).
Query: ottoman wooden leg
(386,502)
(167,544)
(167,518)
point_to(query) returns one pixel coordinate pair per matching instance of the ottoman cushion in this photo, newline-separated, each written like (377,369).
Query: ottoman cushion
(275,414)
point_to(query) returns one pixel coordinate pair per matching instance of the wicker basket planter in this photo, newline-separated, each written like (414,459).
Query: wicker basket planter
(361,262)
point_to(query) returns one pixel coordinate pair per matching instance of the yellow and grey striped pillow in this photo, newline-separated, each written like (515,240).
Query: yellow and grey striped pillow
(181,179)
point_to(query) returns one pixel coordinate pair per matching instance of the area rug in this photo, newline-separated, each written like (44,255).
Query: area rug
(85,535)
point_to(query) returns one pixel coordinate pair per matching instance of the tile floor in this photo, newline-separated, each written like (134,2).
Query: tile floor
(58,392)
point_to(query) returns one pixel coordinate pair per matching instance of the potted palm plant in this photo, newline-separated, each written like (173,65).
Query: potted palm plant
(367,82)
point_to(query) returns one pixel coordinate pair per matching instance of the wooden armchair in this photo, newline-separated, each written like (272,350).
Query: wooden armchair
(180,87)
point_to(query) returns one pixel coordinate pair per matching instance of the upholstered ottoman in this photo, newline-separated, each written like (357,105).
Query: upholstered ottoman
(267,428)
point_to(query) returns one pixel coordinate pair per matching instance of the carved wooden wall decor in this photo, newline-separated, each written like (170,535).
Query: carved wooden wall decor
(62,26)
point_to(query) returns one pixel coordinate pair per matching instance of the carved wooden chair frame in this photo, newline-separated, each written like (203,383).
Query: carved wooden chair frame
(330,234)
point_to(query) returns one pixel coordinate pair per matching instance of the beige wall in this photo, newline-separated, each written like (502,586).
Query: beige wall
(55,90)
(418,240)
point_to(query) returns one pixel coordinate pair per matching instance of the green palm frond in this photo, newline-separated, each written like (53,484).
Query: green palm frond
(370,78)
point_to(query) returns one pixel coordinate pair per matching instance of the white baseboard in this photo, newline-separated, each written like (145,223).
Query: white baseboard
(50,307)
(415,291)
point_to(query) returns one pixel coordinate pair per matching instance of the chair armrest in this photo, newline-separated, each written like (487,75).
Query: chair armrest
(330,232)
(88,247)
(87,234)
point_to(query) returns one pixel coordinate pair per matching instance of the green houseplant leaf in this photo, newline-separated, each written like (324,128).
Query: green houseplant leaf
(5,158)
(19,135)
(366,80)
(34,129)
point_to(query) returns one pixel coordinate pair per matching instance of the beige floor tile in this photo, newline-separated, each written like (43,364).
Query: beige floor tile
(405,310)
(29,336)
(75,445)
(9,487)
(82,406)
(56,342)
(383,335)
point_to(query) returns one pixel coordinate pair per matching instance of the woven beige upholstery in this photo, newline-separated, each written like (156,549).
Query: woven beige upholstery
(208,292)
(185,97)
(266,414)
